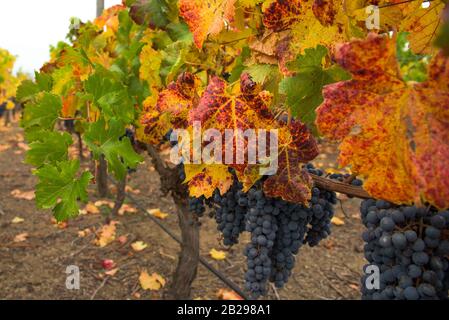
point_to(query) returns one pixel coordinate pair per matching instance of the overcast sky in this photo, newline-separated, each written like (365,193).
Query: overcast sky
(29,27)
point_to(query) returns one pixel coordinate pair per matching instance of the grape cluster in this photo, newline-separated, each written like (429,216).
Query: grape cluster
(322,209)
(292,222)
(230,212)
(408,246)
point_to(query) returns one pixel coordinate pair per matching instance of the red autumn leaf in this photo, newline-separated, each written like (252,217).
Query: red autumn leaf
(172,108)
(296,147)
(393,133)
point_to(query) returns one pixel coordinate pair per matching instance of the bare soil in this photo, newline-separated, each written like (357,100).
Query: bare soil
(36,268)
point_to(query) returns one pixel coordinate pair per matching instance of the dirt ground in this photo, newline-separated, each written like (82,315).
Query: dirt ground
(36,267)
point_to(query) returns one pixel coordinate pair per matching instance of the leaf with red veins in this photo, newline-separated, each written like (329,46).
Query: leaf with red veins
(172,108)
(394,134)
(206,17)
(291,182)
(221,110)
(325,11)
(281,14)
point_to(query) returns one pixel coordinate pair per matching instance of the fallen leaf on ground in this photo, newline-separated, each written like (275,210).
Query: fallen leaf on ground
(17,220)
(18,152)
(217,254)
(21,237)
(59,225)
(337,221)
(4,147)
(139,246)
(153,282)
(130,189)
(106,234)
(23,146)
(122,239)
(111,272)
(83,233)
(91,208)
(224,294)
(24,195)
(100,203)
(126,208)
(158,213)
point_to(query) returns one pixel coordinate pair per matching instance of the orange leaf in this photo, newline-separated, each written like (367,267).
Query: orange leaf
(224,294)
(393,133)
(172,108)
(106,234)
(21,237)
(24,195)
(126,208)
(206,17)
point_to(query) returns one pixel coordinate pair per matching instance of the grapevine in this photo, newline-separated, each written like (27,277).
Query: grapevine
(146,74)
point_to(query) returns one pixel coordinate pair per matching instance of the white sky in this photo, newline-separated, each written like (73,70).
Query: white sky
(29,27)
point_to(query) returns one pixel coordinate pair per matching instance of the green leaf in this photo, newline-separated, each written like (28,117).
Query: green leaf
(43,113)
(152,13)
(109,141)
(110,96)
(44,81)
(60,189)
(27,90)
(52,147)
(261,72)
(179,32)
(304,89)
(239,65)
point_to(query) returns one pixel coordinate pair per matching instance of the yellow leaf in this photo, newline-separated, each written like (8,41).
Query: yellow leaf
(217,254)
(21,237)
(158,213)
(24,195)
(91,208)
(106,234)
(126,208)
(111,272)
(139,246)
(17,220)
(108,203)
(337,221)
(153,282)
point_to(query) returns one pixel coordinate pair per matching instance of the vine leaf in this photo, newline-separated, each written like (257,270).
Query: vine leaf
(311,22)
(296,147)
(204,179)
(51,147)
(206,17)
(172,108)
(304,89)
(393,133)
(60,189)
(109,141)
(42,113)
